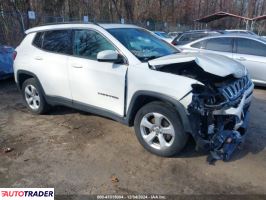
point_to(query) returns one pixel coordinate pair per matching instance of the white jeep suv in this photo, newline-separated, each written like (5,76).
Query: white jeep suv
(125,73)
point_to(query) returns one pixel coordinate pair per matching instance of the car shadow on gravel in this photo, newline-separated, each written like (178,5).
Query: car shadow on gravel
(62,110)
(189,150)
(6,84)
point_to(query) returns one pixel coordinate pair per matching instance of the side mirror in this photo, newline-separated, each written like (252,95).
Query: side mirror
(109,56)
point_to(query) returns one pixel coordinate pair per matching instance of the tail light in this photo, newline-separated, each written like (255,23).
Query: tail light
(14,55)
(174,42)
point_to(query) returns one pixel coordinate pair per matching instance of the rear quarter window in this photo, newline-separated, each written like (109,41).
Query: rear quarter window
(197,45)
(37,41)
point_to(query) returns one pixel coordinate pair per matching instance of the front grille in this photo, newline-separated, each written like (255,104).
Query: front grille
(235,89)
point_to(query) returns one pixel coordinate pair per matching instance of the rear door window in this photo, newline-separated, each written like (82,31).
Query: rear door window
(192,36)
(185,38)
(59,41)
(220,44)
(199,45)
(250,47)
(88,43)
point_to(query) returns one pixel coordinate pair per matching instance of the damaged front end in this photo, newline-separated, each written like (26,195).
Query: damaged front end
(220,115)
(218,104)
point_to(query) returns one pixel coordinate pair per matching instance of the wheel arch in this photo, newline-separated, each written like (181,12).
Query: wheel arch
(23,75)
(141,98)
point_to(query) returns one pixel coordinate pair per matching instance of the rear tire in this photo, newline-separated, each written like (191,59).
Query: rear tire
(159,129)
(33,97)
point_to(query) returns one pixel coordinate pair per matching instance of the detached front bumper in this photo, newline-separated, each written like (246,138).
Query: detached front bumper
(226,141)
(220,129)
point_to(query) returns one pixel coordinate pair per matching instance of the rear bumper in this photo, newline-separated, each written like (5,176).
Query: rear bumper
(224,144)
(5,75)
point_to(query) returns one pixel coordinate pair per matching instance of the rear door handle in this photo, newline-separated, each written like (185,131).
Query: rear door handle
(242,59)
(38,58)
(77,66)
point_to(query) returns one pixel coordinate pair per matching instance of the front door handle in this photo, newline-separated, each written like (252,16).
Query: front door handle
(77,66)
(38,58)
(241,59)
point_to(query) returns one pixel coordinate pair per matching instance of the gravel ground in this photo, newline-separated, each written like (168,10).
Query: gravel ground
(79,153)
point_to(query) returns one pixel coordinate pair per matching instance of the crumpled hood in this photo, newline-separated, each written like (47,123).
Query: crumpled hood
(212,63)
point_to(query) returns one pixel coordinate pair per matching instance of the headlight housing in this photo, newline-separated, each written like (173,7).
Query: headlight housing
(210,98)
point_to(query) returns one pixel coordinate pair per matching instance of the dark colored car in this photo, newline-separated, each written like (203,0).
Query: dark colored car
(190,36)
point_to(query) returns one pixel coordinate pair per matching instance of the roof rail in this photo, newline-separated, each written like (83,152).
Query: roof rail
(60,23)
(72,22)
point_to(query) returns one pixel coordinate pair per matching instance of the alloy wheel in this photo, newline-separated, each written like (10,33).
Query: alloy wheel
(32,97)
(157,131)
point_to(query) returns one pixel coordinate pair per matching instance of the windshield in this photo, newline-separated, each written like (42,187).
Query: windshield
(143,44)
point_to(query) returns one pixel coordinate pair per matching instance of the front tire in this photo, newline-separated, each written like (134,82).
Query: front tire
(159,129)
(33,97)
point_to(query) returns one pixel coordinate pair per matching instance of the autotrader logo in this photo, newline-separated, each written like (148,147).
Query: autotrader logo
(27,193)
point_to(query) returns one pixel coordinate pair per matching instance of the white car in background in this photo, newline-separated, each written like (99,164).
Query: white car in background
(125,73)
(238,31)
(247,49)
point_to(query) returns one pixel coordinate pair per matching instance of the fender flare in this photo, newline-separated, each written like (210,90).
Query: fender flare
(19,84)
(162,97)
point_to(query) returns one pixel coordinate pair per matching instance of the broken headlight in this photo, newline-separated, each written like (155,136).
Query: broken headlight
(208,97)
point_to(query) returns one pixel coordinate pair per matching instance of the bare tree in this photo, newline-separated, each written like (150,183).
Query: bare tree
(173,12)
(19,16)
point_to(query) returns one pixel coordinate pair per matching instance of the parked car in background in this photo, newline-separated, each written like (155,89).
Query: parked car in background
(237,31)
(190,36)
(164,36)
(6,61)
(174,34)
(247,49)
